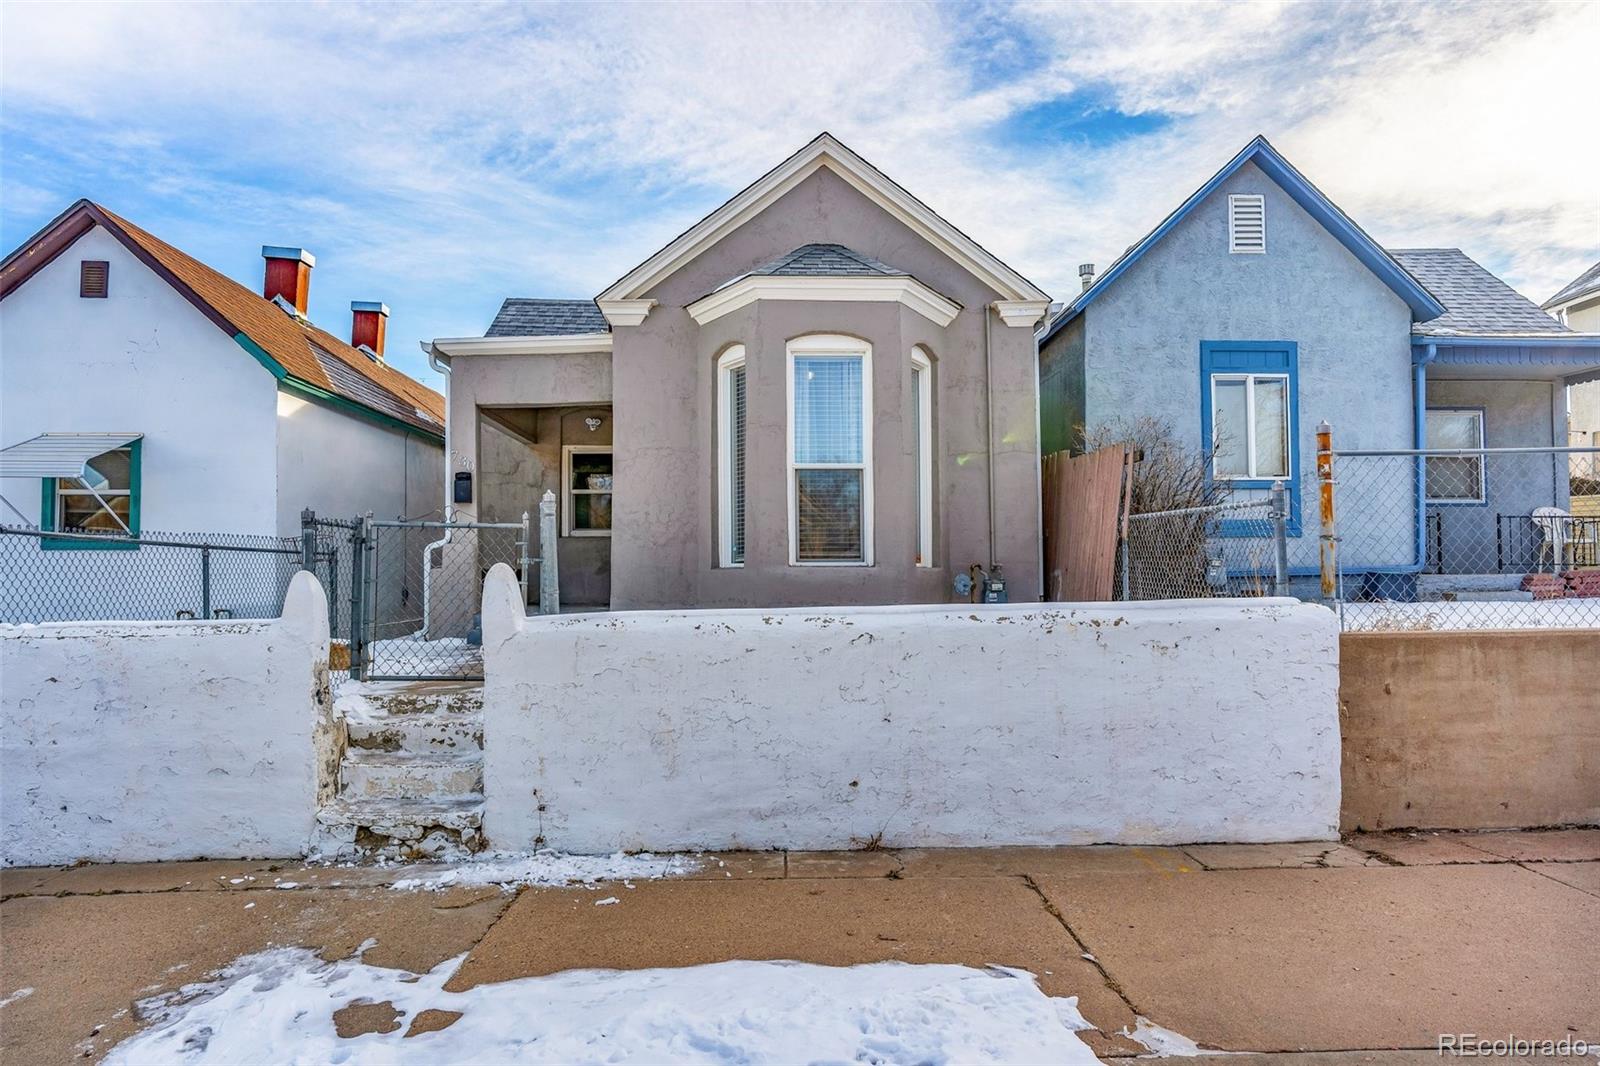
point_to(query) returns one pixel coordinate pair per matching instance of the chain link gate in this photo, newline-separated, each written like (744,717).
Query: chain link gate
(416,591)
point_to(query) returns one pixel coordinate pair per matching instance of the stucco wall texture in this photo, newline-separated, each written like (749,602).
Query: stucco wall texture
(1142,340)
(151,741)
(1470,730)
(661,380)
(1152,723)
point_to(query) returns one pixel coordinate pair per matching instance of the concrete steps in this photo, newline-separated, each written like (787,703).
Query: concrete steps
(411,778)
(408,775)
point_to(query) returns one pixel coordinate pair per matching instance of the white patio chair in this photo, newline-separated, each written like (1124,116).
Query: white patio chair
(1559,534)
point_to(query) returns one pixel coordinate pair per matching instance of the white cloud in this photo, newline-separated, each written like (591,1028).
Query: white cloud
(443,156)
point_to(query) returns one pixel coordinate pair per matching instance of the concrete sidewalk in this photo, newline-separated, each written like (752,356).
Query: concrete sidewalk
(1357,952)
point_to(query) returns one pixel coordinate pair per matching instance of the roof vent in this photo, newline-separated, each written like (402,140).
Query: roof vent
(1247,225)
(1086,274)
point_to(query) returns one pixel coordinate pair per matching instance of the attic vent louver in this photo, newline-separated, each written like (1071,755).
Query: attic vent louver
(1247,224)
(93,278)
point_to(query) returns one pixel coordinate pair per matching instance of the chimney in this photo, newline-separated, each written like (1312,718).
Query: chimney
(1086,273)
(369,321)
(288,275)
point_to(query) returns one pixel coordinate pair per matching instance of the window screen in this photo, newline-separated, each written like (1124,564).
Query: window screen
(736,408)
(829,458)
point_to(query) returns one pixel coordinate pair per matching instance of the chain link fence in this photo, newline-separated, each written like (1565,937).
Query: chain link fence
(70,576)
(1488,538)
(418,600)
(1226,549)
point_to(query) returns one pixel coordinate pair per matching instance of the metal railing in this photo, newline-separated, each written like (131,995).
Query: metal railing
(76,575)
(1465,538)
(1236,548)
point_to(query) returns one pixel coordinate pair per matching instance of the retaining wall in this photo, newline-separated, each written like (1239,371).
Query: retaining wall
(1470,729)
(1145,723)
(143,741)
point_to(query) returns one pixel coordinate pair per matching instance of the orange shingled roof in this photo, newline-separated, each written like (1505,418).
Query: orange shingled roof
(287,341)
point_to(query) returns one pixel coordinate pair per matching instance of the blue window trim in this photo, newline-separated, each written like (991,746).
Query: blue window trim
(47,511)
(1288,363)
(1483,437)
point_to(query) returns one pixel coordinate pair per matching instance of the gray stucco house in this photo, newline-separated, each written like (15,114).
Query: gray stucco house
(1259,306)
(821,393)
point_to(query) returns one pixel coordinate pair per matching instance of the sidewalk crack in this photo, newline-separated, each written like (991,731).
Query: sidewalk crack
(1083,948)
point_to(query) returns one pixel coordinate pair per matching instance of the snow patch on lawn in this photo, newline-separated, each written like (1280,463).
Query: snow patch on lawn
(551,868)
(277,1006)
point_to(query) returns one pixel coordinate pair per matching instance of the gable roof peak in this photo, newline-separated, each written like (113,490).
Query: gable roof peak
(823,150)
(1271,162)
(290,347)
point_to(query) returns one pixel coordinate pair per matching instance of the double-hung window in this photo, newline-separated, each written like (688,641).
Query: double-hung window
(922,426)
(830,451)
(730,455)
(1249,426)
(1455,478)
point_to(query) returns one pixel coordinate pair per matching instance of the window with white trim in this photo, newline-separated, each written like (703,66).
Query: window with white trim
(730,455)
(922,424)
(1455,478)
(1247,224)
(586,479)
(1249,426)
(830,450)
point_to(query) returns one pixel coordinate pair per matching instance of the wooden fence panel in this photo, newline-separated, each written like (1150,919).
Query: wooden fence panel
(1083,505)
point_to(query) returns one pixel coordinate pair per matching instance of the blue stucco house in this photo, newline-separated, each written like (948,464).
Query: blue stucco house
(1258,309)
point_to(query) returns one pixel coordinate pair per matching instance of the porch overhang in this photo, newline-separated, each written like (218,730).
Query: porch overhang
(1569,358)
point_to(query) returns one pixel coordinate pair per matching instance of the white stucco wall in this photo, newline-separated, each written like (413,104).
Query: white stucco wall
(341,465)
(145,741)
(142,360)
(1151,723)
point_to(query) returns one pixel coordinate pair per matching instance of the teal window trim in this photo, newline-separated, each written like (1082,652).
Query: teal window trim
(47,511)
(1233,358)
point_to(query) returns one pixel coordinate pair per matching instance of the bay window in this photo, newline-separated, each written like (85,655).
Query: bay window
(830,451)
(922,427)
(730,455)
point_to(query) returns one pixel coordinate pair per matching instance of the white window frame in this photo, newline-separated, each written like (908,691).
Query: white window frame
(1234,202)
(729,361)
(1250,457)
(1483,473)
(922,393)
(567,491)
(840,347)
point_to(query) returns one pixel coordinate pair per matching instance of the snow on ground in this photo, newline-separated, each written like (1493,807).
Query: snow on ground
(551,868)
(445,657)
(277,1006)
(1474,614)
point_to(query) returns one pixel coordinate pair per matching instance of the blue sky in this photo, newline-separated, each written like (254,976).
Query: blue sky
(440,158)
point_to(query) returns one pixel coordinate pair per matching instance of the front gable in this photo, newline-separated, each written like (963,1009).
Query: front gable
(824,193)
(1259,157)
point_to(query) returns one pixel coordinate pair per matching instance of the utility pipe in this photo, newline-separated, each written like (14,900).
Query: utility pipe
(988,423)
(443,368)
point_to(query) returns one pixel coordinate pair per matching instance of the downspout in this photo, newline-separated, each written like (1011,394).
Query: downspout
(988,423)
(1419,441)
(440,367)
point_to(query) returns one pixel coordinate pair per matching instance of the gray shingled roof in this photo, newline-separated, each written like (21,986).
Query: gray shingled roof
(546,318)
(1477,304)
(826,261)
(1583,285)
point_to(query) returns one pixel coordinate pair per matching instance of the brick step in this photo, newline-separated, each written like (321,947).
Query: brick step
(404,775)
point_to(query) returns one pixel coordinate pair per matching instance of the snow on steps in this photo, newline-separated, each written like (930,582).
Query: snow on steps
(411,780)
